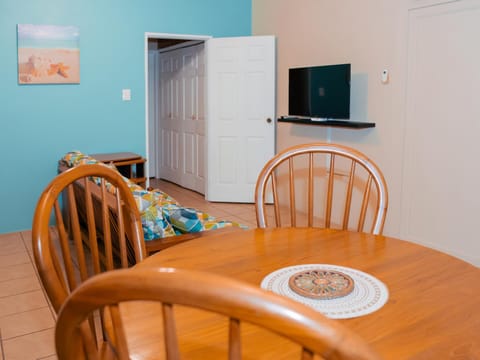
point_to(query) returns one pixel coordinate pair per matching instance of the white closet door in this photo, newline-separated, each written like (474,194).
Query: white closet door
(182,125)
(193,123)
(441,170)
(169,126)
(201,123)
(152,110)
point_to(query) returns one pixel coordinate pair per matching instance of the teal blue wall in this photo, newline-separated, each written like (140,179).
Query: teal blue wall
(39,123)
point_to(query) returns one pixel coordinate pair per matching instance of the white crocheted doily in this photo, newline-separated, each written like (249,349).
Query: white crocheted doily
(369,293)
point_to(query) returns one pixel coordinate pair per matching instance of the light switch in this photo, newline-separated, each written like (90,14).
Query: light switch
(126,95)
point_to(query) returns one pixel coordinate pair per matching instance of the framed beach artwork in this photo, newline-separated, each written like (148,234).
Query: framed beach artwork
(48,54)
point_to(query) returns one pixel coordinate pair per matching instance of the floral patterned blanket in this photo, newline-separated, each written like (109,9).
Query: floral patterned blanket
(161,215)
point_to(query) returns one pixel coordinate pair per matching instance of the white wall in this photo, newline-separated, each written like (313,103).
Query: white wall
(372,35)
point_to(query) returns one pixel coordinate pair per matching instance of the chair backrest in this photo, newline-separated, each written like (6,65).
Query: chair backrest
(321,185)
(239,302)
(73,225)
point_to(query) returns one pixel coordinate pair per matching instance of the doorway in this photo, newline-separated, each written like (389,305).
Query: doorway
(232,133)
(174,100)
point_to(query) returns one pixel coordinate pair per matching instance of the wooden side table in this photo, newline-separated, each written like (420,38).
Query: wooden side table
(128,164)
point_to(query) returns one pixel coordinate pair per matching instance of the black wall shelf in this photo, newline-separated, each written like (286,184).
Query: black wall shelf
(336,123)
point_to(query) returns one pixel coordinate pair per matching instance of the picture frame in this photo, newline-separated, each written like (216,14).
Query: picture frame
(48,54)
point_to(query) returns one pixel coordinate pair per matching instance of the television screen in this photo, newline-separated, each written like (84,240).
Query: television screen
(320,91)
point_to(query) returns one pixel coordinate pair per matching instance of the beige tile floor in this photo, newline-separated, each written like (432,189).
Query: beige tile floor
(26,319)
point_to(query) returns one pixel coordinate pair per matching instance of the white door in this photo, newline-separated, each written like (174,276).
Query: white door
(193,118)
(152,110)
(241,114)
(169,125)
(441,173)
(182,120)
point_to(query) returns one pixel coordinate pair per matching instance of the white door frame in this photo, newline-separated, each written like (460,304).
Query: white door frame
(150,35)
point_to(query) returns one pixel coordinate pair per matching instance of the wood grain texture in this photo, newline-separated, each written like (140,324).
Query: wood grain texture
(61,257)
(65,256)
(432,311)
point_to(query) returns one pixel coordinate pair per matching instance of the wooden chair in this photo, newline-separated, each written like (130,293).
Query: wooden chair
(65,255)
(321,185)
(238,301)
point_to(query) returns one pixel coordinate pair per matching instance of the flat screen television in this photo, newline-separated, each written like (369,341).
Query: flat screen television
(319,92)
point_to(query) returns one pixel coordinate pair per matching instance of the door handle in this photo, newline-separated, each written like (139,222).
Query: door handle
(269,120)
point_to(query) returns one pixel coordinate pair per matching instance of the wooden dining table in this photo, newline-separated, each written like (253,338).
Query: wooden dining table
(432,311)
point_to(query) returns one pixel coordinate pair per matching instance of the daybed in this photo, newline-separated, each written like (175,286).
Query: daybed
(165,222)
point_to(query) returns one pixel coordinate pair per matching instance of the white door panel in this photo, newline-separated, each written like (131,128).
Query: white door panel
(170,128)
(193,124)
(165,164)
(441,176)
(152,110)
(183,120)
(241,97)
(200,130)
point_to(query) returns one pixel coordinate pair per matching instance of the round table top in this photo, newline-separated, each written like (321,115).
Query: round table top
(431,312)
